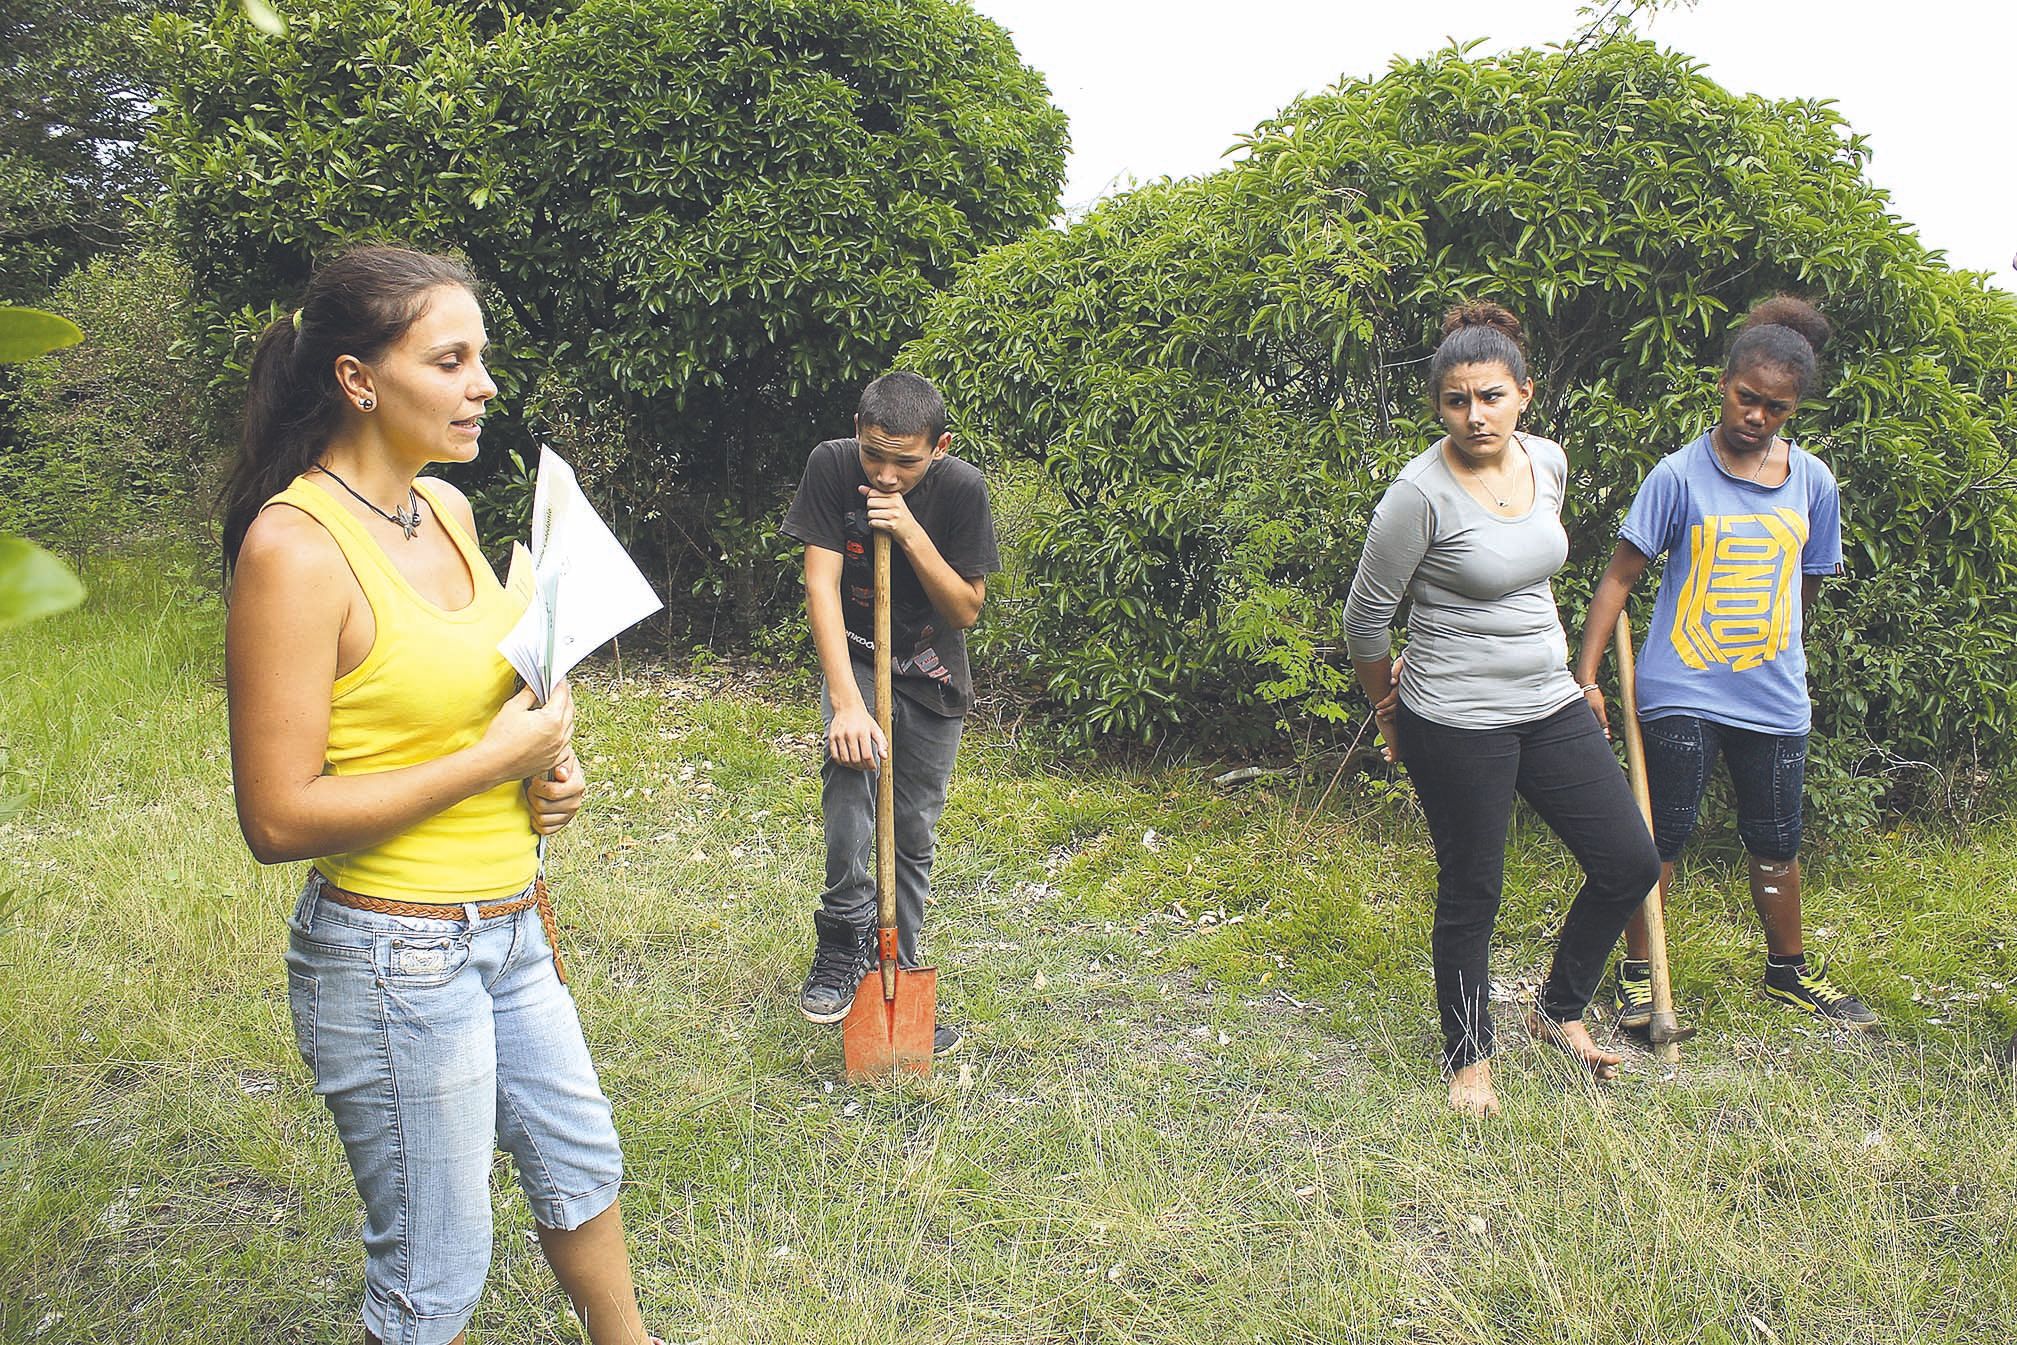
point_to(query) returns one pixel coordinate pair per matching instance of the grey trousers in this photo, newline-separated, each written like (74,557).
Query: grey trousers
(922,746)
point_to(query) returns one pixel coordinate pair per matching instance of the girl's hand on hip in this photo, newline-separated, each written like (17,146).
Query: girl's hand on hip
(1383,723)
(1596,700)
(1387,703)
(1385,709)
(556,796)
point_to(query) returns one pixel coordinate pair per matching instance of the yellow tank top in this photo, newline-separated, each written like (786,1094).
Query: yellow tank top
(430,686)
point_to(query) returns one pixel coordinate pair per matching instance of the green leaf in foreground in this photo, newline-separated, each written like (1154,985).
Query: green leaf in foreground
(263,17)
(33,583)
(28,332)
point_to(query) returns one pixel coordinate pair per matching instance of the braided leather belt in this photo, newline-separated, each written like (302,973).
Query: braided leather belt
(422,910)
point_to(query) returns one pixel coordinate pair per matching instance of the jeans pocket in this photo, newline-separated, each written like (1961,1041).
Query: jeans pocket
(304,905)
(423,962)
(302,989)
(1674,733)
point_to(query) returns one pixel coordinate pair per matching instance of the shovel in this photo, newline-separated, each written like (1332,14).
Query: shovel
(1665,1031)
(895,1011)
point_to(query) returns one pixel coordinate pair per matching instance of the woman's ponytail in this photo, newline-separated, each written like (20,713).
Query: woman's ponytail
(270,453)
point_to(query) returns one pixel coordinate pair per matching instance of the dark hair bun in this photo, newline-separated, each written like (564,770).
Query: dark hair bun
(1785,310)
(1485,313)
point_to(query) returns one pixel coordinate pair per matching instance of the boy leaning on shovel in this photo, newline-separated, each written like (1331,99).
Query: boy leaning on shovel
(893,476)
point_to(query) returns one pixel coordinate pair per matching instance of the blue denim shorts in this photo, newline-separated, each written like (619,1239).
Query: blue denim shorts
(433,1042)
(1767,771)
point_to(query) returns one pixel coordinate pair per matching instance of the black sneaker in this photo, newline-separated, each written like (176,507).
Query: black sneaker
(1634,997)
(1809,988)
(945,1040)
(839,961)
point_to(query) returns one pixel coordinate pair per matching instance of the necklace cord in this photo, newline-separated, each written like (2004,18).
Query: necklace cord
(1477,477)
(407,520)
(1764,459)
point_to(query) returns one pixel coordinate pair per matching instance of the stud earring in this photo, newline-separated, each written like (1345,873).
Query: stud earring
(365,404)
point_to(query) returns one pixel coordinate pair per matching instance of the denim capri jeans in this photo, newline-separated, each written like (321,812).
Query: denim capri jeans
(433,1042)
(1767,772)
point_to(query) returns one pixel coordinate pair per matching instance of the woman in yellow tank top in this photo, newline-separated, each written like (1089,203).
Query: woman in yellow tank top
(376,731)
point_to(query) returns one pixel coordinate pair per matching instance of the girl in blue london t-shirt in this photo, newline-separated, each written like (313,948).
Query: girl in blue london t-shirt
(1749,523)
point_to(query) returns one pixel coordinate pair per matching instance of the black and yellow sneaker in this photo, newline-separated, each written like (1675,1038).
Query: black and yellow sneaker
(945,1040)
(1633,998)
(1809,988)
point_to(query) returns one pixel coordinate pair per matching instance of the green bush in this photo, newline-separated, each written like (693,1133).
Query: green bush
(74,100)
(706,222)
(110,438)
(33,583)
(1220,376)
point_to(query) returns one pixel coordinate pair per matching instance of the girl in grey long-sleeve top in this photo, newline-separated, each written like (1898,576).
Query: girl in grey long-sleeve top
(1471,533)
(1485,643)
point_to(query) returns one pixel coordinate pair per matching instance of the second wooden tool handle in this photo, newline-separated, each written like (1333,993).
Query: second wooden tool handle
(1655,908)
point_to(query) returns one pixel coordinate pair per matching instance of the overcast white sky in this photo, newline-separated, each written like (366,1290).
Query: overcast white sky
(1160,88)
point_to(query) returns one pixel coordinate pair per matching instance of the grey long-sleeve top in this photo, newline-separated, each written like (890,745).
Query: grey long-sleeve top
(1485,641)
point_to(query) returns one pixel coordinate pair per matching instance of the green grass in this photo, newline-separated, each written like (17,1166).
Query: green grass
(1198,1103)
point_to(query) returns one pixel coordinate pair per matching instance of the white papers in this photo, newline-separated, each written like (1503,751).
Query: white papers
(582,588)
(518,579)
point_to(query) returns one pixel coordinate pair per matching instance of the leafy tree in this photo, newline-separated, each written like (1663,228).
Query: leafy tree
(74,101)
(706,221)
(109,437)
(33,583)
(1218,377)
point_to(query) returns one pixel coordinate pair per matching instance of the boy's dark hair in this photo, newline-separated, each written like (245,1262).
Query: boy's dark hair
(903,404)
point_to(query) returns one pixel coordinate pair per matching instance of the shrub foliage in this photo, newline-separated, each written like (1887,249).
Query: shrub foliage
(110,439)
(33,583)
(1219,377)
(74,99)
(706,222)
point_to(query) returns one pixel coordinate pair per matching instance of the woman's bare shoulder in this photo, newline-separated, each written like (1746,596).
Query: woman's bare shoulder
(285,546)
(455,501)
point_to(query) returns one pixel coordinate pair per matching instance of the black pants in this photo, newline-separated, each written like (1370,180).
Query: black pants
(1466,779)
(922,747)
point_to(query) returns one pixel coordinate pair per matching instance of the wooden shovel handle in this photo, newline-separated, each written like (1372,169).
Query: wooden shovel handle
(885,779)
(1656,916)
(1628,696)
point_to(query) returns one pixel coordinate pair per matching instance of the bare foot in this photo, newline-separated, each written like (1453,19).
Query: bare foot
(1471,1091)
(1573,1040)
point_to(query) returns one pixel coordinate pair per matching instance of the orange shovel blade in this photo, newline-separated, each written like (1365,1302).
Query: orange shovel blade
(882,1036)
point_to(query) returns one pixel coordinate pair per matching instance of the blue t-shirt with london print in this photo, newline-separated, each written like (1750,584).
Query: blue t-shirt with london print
(1726,643)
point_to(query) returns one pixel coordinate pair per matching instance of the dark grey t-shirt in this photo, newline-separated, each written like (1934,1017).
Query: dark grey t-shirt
(928,660)
(1485,641)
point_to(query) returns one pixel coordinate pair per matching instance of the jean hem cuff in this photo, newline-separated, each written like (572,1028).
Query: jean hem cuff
(397,1323)
(574,1211)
